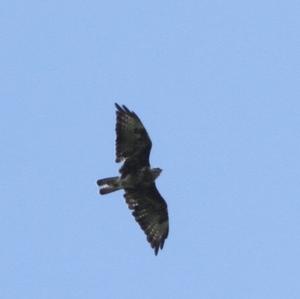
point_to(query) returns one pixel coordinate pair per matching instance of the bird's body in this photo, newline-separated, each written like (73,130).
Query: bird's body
(142,178)
(133,146)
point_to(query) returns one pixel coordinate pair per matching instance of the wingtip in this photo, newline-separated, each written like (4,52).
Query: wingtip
(122,108)
(118,106)
(126,109)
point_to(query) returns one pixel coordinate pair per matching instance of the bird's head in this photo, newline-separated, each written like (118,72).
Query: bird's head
(156,172)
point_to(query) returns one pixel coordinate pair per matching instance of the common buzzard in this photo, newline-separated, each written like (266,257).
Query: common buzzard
(133,146)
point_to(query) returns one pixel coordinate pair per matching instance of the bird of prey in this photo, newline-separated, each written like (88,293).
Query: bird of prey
(137,179)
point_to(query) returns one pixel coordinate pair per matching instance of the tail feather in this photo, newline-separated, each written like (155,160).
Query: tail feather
(107,181)
(109,185)
(107,190)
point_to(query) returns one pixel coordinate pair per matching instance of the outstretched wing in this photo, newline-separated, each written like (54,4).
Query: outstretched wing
(151,212)
(132,143)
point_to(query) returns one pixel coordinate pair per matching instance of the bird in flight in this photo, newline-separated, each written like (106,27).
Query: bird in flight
(137,178)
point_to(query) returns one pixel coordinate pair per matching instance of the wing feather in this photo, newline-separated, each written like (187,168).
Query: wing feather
(133,143)
(151,213)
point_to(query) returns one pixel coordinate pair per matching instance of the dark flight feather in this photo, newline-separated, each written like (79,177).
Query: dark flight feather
(133,143)
(150,212)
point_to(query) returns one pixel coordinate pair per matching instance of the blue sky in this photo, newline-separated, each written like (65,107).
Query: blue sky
(217,84)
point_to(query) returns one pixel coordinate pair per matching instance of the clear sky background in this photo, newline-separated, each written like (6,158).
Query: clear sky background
(217,85)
